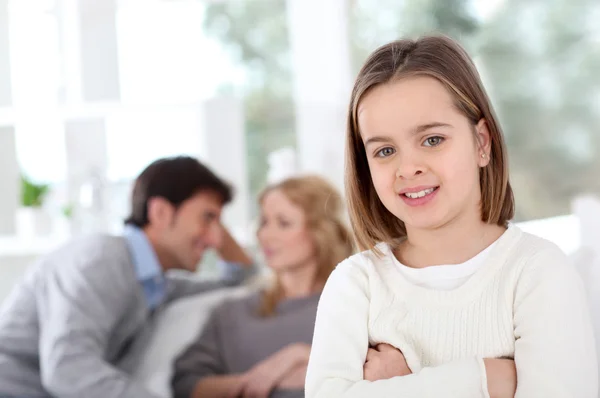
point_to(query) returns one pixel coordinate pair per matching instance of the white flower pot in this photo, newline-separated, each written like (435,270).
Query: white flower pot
(33,222)
(63,226)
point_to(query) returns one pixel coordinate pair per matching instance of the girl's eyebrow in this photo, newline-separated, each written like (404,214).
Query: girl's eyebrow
(428,126)
(417,130)
(376,139)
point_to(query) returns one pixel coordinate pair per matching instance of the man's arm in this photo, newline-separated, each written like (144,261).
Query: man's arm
(80,303)
(230,251)
(235,267)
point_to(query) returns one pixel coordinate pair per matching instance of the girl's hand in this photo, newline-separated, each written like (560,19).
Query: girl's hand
(384,362)
(501,377)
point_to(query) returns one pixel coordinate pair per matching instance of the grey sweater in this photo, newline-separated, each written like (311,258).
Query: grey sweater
(66,330)
(235,338)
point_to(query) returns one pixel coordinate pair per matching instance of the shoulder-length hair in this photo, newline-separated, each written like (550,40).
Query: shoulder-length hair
(323,209)
(441,58)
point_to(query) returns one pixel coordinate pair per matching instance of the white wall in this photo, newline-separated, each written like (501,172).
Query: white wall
(5,75)
(322,83)
(9,180)
(223,148)
(99,55)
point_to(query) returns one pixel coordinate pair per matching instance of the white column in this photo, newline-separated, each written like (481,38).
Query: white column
(587,262)
(5,75)
(9,168)
(9,180)
(87,165)
(88,43)
(67,15)
(322,83)
(587,209)
(223,148)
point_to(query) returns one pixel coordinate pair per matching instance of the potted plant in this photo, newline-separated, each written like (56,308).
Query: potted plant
(32,219)
(64,222)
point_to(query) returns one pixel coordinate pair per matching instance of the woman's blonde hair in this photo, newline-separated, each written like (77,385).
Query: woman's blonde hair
(445,60)
(324,218)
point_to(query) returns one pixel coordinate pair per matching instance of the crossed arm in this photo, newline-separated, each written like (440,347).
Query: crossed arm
(385,362)
(554,345)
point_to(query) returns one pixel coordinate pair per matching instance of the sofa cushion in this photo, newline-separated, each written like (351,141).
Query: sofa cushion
(173,329)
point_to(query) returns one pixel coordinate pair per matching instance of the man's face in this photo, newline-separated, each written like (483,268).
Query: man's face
(192,228)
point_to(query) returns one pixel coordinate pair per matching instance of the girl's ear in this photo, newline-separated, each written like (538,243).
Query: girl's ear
(484,142)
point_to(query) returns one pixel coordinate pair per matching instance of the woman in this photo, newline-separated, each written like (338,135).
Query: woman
(259,346)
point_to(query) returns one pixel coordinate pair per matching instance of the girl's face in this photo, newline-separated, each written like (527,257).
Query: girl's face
(423,154)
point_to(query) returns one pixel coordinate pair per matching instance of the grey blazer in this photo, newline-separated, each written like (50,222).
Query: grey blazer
(67,328)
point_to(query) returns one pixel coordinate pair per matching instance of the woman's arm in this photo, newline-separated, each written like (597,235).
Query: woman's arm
(294,380)
(340,345)
(226,386)
(267,375)
(555,352)
(200,371)
(201,367)
(281,367)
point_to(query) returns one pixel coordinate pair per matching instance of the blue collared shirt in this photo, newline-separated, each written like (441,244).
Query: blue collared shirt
(147,267)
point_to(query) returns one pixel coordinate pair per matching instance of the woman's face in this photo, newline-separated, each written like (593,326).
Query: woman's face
(283,235)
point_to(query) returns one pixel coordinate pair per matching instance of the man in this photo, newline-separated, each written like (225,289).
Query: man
(66,329)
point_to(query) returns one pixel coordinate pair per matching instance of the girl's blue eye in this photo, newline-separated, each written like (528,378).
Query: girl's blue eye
(385,152)
(433,141)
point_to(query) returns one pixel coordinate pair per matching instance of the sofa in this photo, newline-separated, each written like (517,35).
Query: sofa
(175,327)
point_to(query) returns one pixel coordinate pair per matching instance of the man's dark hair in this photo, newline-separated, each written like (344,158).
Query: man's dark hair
(175,179)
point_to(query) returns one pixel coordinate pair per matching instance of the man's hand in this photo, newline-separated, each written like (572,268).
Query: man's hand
(384,362)
(501,377)
(229,249)
(266,375)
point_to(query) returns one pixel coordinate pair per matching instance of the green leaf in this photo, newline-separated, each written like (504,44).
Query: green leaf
(32,194)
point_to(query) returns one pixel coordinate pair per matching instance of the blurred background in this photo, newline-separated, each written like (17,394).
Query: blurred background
(91,91)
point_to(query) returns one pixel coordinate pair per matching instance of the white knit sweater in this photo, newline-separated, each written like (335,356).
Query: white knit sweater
(526,303)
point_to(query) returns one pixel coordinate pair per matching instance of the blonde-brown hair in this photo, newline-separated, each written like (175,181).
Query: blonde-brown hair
(445,60)
(324,217)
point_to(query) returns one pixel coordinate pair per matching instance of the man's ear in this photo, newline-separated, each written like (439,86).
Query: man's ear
(160,212)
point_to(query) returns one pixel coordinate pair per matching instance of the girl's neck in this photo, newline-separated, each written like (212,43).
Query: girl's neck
(453,243)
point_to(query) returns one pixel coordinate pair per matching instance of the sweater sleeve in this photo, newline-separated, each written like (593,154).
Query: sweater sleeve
(200,359)
(340,345)
(555,351)
(182,284)
(80,304)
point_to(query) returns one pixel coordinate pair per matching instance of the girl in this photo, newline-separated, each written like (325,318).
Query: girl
(258,346)
(448,299)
